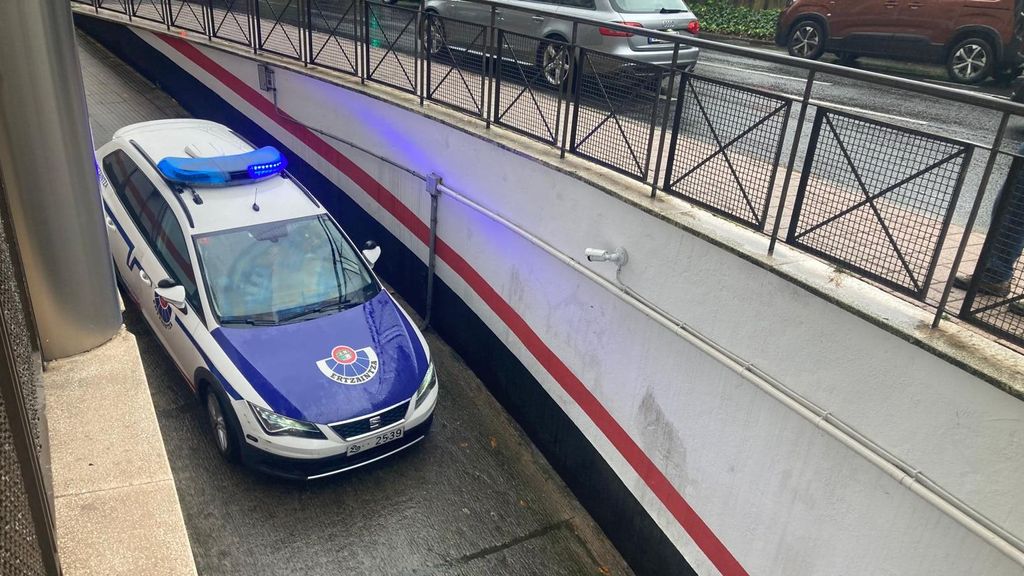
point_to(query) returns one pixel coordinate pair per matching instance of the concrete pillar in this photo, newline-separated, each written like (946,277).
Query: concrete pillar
(49,175)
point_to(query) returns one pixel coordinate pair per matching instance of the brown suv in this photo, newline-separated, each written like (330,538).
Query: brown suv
(975,38)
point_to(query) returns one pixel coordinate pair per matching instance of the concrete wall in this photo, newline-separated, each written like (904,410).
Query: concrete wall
(736,481)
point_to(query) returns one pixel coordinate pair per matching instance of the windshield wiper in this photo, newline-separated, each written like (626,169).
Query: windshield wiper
(339,305)
(249,321)
(671,10)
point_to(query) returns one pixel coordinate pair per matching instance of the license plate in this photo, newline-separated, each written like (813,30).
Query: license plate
(657,41)
(374,441)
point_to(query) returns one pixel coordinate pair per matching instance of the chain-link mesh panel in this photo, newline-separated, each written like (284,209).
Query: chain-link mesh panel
(877,198)
(19,549)
(995,296)
(334,34)
(20,554)
(455,70)
(529,77)
(120,6)
(189,15)
(725,148)
(390,46)
(616,107)
(230,21)
(152,10)
(278,25)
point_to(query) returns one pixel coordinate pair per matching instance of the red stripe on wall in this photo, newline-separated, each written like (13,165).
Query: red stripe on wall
(699,531)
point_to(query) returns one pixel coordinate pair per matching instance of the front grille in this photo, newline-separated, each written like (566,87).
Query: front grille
(362,426)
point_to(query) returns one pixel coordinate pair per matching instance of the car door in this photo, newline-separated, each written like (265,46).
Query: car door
(462,35)
(130,219)
(175,266)
(923,26)
(135,214)
(526,23)
(862,26)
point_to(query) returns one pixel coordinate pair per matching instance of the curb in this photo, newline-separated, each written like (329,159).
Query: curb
(737,40)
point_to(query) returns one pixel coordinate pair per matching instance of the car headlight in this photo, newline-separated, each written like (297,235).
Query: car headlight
(428,384)
(278,425)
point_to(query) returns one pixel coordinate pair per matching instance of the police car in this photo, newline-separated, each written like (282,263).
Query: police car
(304,364)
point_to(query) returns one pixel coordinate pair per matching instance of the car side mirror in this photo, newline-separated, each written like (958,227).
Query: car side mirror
(371,252)
(173,295)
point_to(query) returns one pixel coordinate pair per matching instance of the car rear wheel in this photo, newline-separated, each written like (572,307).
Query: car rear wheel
(221,426)
(432,37)
(554,62)
(970,61)
(807,40)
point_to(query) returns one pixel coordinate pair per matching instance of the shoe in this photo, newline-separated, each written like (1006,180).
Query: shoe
(990,288)
(1016,307)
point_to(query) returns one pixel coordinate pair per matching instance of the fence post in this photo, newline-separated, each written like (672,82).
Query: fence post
(664,118)
(416,58)
(491,64)
(570,84)
(792,161)
(975,208)
(432,181)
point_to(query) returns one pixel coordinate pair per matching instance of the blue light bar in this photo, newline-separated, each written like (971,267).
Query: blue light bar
(224,170)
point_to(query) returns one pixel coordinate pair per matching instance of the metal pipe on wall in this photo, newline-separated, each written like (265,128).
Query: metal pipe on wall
(908,476)
(50,179)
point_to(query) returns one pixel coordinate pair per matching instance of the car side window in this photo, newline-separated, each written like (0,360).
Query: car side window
(137,193)
(586,4)
(172,251)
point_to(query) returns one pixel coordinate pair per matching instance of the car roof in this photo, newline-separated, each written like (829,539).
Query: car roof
(222,208)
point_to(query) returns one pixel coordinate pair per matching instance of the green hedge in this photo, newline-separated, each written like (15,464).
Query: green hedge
(722,17)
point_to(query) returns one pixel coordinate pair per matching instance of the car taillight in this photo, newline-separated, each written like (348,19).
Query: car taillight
(693,26)
(619,33)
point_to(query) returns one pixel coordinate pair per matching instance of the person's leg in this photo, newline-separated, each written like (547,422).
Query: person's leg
(1008,239)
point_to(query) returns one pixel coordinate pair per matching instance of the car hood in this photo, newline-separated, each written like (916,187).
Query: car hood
(331,368)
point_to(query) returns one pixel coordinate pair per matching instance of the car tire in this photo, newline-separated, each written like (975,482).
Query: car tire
(432,23)
(554,59)
(221,425)
(806,40)
(970,61)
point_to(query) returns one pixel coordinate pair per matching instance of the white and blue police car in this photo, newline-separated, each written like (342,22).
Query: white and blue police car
(304,364)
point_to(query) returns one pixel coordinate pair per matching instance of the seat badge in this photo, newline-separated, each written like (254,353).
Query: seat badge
(346,365)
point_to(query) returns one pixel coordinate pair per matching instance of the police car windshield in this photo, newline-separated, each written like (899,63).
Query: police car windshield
(282,272)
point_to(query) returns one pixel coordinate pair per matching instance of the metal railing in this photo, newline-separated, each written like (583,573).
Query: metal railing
(885,216)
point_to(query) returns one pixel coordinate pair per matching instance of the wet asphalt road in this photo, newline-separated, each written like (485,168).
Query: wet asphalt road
(474,498)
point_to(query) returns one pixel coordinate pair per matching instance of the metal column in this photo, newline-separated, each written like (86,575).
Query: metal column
(50,179)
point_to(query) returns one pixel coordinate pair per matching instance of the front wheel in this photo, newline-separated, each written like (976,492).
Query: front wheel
(970,61)
(807,40)
(221,426)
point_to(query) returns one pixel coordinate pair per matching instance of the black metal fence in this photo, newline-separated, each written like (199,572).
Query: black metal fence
(995,293)
(873,198)
(725,148)
(877,198)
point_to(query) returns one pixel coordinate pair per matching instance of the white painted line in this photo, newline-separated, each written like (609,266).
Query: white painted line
(796,100)
(748,71)
(863,111)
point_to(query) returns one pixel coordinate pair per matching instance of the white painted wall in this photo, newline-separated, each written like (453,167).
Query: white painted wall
(783,497)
